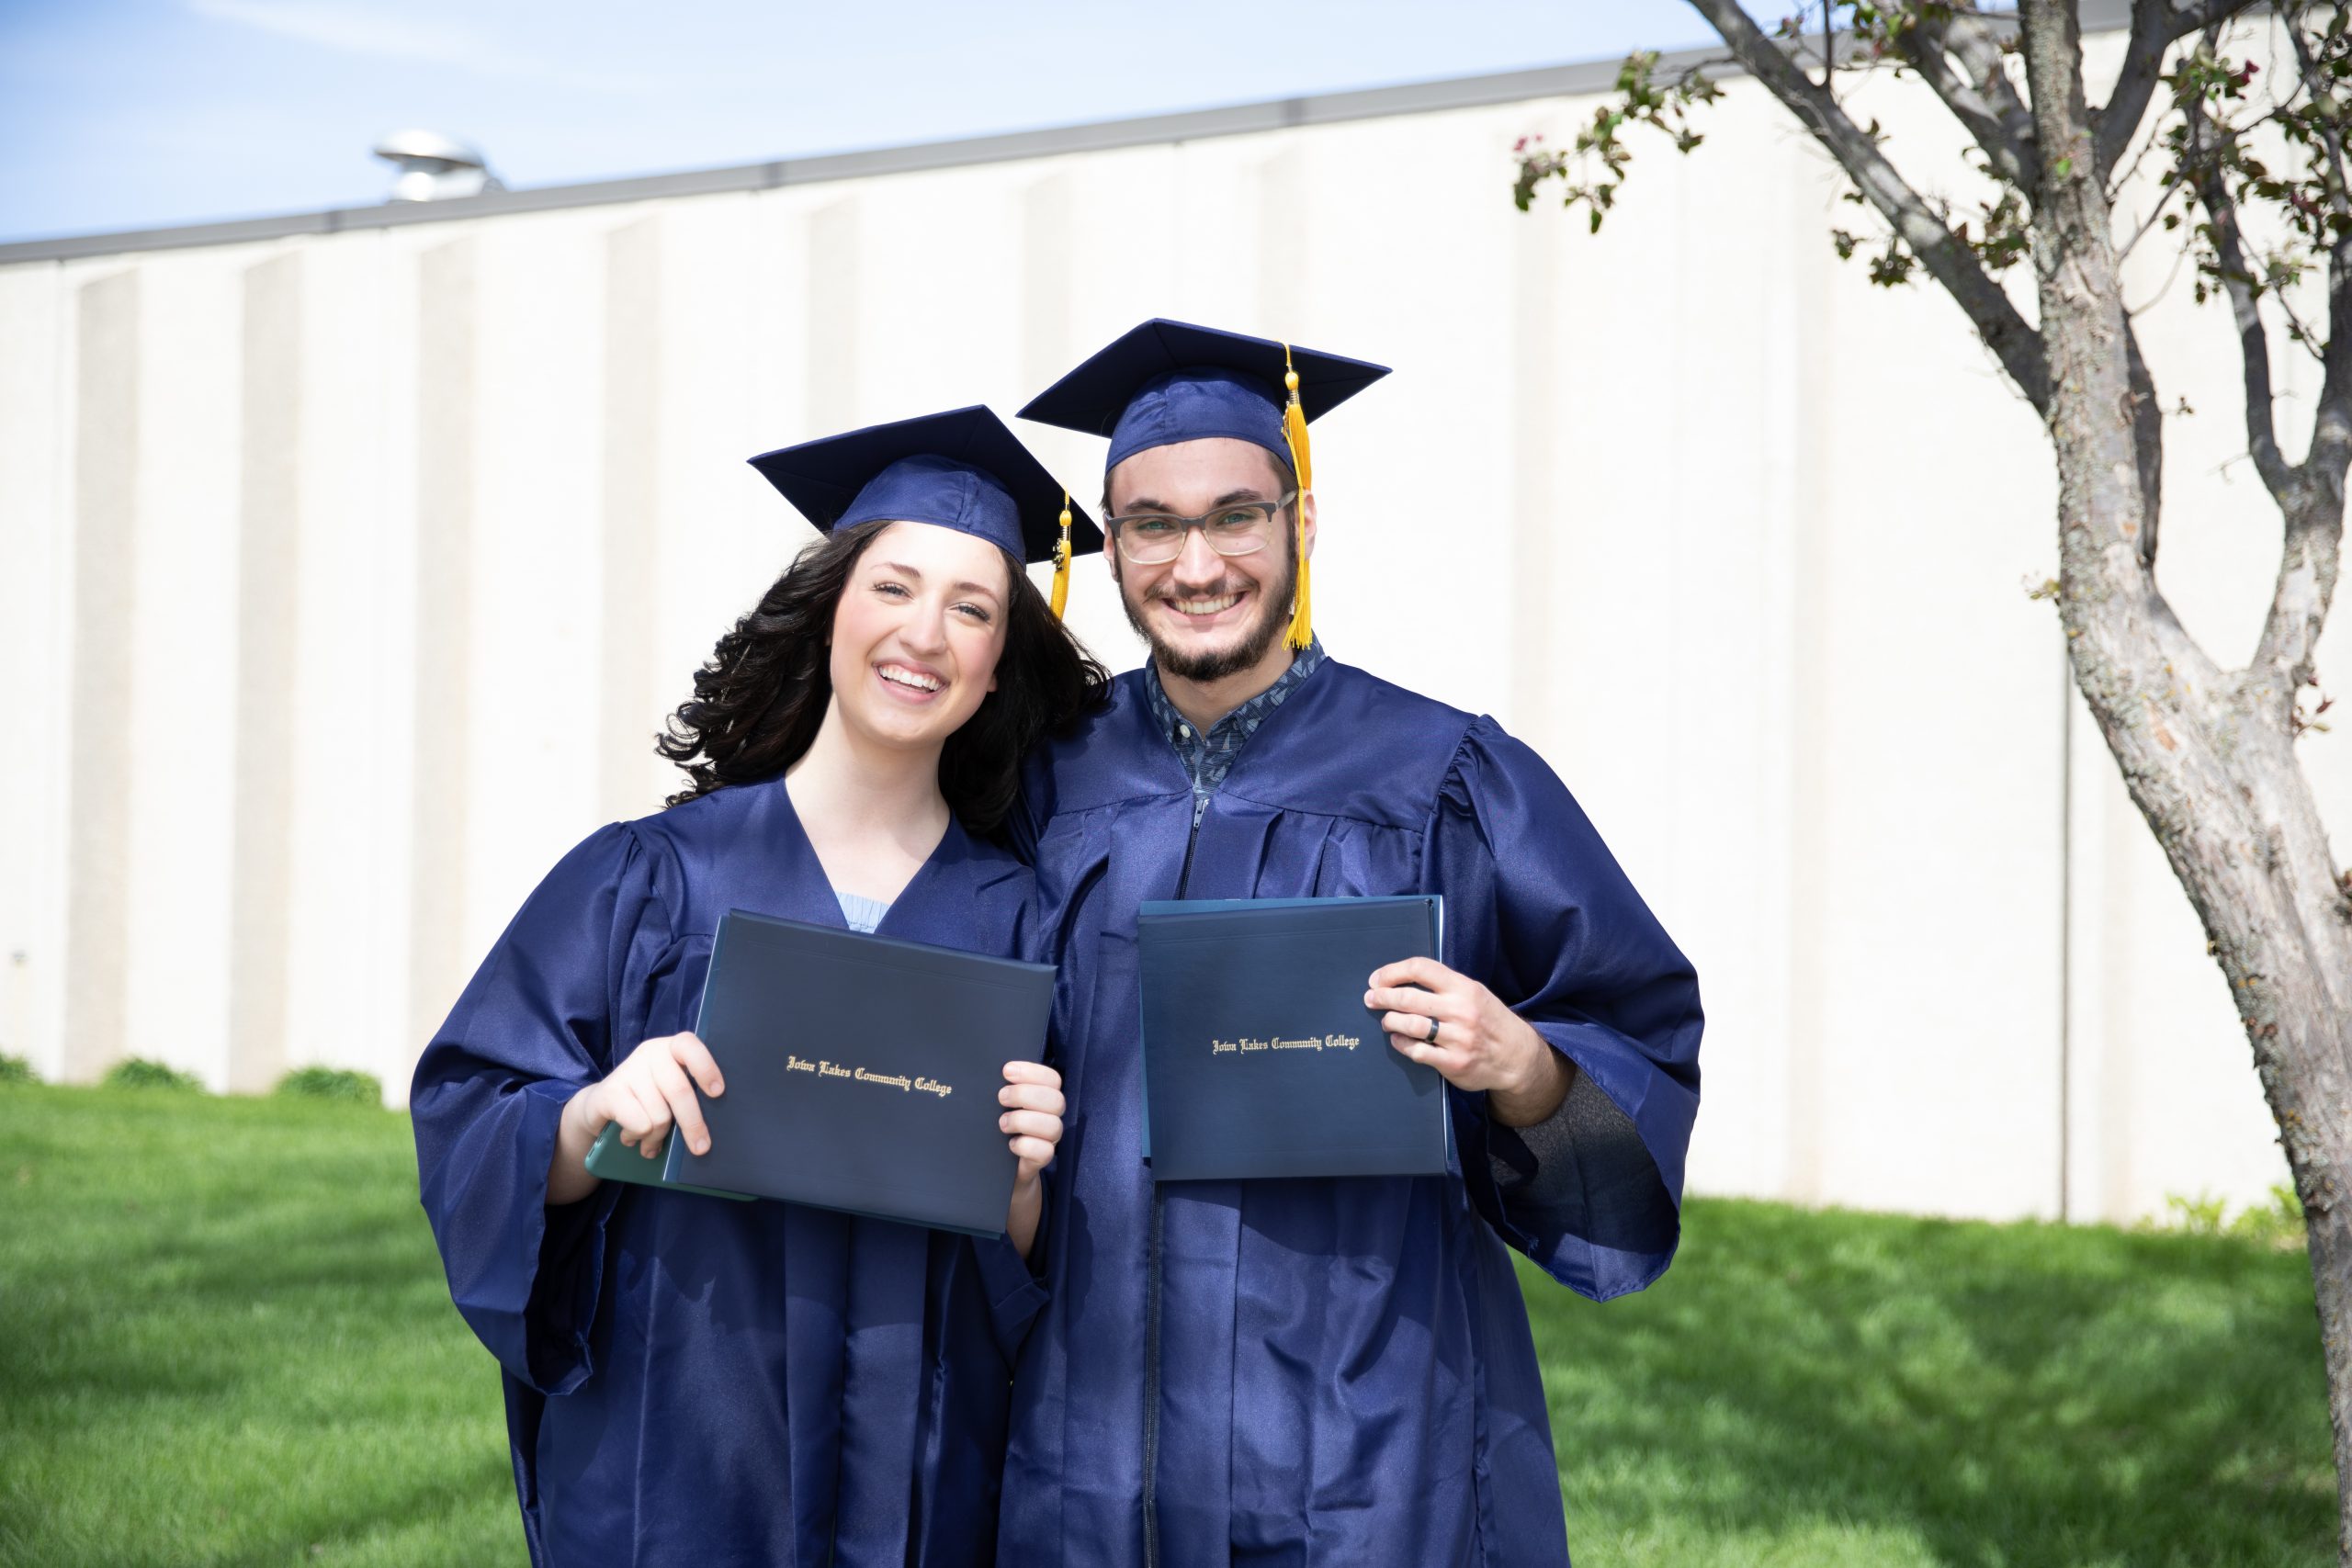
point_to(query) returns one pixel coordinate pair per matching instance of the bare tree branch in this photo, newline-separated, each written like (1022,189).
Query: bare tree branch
(2149,143)
(2155,216)
(2147,441)
(1978,93)
(2237,278)
(2332,432)
(1981,44)
(1995,316)
(2156,26)
(2310,552)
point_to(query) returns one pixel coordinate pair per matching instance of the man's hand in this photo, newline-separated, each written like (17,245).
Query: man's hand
(1478,1043)
(1032,1098)
(648,1094)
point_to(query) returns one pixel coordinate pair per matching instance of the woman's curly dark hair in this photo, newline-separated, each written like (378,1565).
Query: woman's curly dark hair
(758,701)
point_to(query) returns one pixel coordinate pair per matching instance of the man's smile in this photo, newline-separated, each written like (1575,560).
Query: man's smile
(1202,609)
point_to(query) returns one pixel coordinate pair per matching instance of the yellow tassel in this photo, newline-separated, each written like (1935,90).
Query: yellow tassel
(1061,562)
(1302,622)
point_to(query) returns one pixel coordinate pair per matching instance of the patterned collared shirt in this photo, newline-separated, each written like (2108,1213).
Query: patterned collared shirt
(1208,758)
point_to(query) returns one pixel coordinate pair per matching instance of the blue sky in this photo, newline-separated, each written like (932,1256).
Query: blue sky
(124,114)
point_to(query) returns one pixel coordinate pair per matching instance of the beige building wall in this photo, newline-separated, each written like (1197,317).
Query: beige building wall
(347,574)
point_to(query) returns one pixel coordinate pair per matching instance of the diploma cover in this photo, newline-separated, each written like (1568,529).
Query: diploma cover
(861,1071)
(609,1159)
(1260,1056)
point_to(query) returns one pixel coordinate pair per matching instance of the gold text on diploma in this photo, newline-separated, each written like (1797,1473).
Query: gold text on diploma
(1248,1044)
(899,1081)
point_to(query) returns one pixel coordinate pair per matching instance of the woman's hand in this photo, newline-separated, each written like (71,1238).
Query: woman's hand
(651,1091)
(1032,1098)
(1463,1029)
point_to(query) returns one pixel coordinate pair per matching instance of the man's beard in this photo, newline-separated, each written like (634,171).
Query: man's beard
(1273,615)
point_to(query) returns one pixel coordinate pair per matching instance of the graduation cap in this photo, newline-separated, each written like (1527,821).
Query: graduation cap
(962,470)
(1170,381)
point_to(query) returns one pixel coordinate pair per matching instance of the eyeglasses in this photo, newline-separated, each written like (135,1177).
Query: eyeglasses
(1155,538)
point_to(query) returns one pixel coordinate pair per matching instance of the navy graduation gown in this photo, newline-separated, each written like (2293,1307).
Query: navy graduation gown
(1331,1371)
(691,1380)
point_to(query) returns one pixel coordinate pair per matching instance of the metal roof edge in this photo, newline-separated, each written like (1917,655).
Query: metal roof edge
(1190,125)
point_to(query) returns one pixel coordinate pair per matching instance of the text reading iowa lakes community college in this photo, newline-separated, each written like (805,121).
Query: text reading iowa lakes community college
(824,1070)
(1275,1042)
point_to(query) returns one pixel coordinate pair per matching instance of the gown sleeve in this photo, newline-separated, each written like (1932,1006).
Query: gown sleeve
(1539,911)
(560,998)
(1013,1284)
(1014,1293)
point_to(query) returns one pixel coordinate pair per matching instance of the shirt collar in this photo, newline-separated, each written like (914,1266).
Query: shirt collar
(1174,726)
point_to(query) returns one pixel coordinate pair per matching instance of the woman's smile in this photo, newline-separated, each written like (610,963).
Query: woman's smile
(909,681)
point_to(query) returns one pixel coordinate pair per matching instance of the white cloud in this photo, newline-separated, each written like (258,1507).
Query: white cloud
(412,34)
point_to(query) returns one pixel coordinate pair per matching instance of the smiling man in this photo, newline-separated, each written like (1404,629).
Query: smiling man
(1317,1372)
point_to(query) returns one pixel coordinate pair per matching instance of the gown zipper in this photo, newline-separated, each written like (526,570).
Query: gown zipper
(1151,1289)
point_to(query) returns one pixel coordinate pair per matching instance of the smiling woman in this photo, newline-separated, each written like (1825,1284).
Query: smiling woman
(762,1382)
(760,702)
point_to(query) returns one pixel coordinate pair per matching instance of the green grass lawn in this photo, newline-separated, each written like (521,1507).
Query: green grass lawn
(224,1338)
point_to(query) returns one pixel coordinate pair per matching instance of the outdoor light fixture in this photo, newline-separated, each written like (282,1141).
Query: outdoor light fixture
(434,167)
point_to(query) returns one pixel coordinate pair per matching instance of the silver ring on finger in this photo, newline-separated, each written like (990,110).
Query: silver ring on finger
(1431,1036)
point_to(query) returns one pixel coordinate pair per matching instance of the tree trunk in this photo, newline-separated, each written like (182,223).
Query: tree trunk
(2208,757)
(2305,1078)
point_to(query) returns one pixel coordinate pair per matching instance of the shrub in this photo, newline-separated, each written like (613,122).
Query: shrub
(333,1083)
(2202,1215)
(2278,1223)
(15,1069)
(138,1072)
